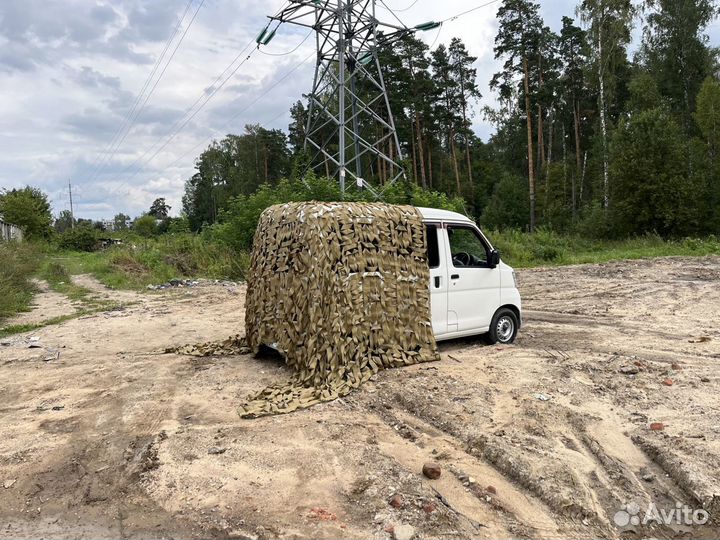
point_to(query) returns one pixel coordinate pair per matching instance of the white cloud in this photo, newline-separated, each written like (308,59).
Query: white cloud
(70,71)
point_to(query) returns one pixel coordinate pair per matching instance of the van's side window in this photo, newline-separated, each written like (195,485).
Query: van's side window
(466,247)
(432,245)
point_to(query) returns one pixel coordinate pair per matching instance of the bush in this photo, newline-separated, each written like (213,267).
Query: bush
(19,262)
(79,239)
(509,206)
(146,226)
(237,224)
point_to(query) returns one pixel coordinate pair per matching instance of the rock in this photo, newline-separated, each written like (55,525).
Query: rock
(432,470)
(542,397)
(704,379)
(216,450)
(429,507)
(403,532)
(668,382)
(648,477)
(675,366)
(629,370)
(491,489)
(7,484)
(657,426)
(397,501)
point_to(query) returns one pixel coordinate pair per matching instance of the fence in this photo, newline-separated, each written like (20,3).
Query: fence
(9,232)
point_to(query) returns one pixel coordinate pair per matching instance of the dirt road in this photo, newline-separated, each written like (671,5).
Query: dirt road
(105,436)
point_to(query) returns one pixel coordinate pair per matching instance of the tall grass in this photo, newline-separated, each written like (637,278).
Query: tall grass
(18,263)
(547,248)
(141,262)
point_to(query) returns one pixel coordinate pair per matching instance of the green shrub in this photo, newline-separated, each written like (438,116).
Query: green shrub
(79,239)
(19,262)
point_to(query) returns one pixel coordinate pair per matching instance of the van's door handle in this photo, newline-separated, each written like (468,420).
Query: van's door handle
(437,282)
(455,276)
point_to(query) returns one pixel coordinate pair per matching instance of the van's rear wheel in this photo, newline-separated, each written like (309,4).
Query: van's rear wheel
(504,327)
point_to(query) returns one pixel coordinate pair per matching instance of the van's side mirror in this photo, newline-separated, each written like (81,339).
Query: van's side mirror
(494,258)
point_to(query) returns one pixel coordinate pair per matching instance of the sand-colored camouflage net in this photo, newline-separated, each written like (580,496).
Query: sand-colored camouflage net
(341,290)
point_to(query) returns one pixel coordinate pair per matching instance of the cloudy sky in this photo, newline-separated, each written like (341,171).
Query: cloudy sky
(71,72)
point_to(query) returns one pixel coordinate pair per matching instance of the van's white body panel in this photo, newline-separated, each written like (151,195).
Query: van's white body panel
(463,300)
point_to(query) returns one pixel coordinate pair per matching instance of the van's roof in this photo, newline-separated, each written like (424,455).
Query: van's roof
(442,215)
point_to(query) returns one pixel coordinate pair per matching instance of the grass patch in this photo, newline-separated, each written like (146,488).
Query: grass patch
(136,265)
(546,248)
(22,328)
(19,262)
(58,277)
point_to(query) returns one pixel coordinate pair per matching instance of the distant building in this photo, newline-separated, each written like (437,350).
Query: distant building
(110,225)
(8,231)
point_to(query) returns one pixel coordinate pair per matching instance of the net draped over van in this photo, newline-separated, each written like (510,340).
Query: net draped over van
(341,290)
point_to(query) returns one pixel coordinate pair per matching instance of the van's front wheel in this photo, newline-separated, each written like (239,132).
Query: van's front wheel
(504,327)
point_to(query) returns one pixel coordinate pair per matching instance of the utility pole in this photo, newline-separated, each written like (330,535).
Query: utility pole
(72,213)
(349,117)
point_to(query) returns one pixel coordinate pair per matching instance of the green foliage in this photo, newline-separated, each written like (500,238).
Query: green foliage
(83,238)
(19,262)
(29,209)
(236,165)
(64,221)
(544,247)
(652,191)
(707,114)
(146,226)
(676,53)
(159,209)
(509,205)
(120,221)
(644,93)
(237,224)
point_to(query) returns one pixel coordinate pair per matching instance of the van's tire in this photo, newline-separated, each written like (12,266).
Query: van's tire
(503,328)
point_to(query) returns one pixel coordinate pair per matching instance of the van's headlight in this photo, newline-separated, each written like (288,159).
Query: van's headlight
(514,279)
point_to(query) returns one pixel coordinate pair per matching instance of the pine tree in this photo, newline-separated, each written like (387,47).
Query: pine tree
(518,37)
(676,51)
(465,76)
(609,32)
(572,48)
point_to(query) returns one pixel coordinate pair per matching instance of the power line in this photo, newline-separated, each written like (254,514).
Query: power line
(403,9)
(234,116)
(392,12)
(152,90)
(469,11)
(186,122)
(101,157)
(288,52)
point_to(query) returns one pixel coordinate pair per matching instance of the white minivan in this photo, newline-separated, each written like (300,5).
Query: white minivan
(471,290)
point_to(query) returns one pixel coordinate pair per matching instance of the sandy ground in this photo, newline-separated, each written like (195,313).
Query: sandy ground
(104,436)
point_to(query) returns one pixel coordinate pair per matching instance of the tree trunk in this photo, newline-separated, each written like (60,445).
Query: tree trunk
(540,141)
(603,124)
(531,164)
(454,159)
(465,126)
(423,176)
(551,120)
(414,159)
(578,159)
(582,178)
(430,163)
(564,190)
(266,166)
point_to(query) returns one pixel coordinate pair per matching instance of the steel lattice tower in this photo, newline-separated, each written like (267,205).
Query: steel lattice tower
(349,118)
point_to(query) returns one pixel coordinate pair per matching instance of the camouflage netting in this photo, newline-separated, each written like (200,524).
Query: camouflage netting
(341,290)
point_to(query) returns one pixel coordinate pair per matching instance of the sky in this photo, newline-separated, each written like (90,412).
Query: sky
(71,72)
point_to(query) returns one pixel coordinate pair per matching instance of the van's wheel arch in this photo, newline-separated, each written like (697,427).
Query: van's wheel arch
(504,327)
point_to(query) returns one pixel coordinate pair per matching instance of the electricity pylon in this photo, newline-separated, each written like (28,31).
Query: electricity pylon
(349,118)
